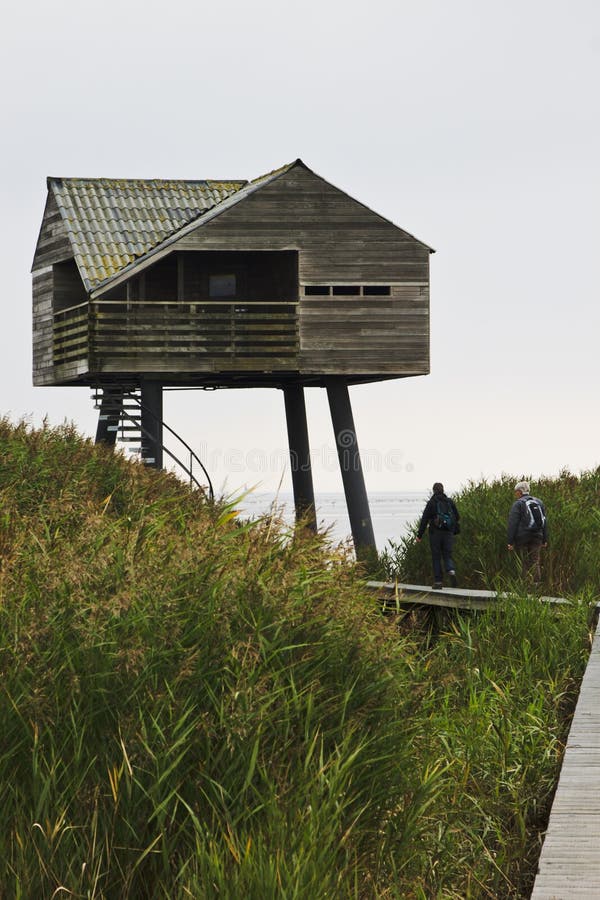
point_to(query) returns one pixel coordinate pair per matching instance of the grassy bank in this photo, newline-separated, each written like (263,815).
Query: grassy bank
(196,707)
(570,563)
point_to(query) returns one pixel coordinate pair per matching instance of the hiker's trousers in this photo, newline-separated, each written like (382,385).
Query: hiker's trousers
(530,553)
(441,543)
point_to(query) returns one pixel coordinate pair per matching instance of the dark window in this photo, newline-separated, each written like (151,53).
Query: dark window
(376,290)
(317,290)
(68,286)
(160,280)
(346,290)
(221,286)
(263,275)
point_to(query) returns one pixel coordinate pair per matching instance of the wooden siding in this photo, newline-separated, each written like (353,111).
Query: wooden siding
(339,239)
(52,247)
(53,242)
(386,335)
(171,337)
(43,285)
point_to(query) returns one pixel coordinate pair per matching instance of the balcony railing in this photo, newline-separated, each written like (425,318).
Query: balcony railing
(71,335)
(142,335)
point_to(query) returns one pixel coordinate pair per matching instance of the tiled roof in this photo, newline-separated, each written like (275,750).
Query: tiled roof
(113,222)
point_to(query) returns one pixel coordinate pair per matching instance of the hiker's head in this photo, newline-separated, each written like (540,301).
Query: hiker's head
(438,488)
(522,487)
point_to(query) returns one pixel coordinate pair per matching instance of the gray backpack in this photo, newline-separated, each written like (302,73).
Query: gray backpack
(534,514)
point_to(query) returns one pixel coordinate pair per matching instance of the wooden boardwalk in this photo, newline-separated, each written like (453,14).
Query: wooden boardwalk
(569,865)
(449,598)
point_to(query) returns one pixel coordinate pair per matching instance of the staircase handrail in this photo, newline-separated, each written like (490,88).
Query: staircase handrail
(193,456)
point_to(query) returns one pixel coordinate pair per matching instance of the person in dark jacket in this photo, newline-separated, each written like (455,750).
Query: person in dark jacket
(441,515)
(525,534)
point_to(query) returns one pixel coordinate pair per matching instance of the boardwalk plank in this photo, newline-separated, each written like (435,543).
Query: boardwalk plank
(450,598)
(569,864)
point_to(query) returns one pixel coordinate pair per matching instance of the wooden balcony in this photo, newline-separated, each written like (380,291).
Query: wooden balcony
(156,336)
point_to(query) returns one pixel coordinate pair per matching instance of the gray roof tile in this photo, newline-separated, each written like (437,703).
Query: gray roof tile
(112,222)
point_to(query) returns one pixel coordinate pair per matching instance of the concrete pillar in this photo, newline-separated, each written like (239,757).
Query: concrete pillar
(351,468)
(151,421)
(297,429)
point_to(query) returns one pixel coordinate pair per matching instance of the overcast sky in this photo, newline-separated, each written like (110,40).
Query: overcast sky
(473,125)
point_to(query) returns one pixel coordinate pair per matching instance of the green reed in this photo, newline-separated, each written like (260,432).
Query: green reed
(196,706)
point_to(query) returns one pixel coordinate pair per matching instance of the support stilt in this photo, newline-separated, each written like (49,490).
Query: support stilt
(351,468)
(297,429)
(152,417)
(108,418)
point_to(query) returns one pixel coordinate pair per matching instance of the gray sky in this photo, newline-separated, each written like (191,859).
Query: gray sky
(473,125)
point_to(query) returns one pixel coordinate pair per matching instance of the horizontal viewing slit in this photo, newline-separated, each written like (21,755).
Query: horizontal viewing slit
(317,290)
(347,290)
(376,290)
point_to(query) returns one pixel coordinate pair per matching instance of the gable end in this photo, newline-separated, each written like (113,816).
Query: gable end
(53,244)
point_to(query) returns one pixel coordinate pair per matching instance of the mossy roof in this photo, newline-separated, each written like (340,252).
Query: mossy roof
(112,223)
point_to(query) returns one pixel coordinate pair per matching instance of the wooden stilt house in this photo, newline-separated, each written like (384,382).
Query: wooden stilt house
(283,282)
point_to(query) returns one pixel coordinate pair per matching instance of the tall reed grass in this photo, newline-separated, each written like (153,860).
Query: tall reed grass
(570,563)
(195,706)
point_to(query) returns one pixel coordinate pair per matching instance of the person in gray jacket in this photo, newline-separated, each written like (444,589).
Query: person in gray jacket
(528,530)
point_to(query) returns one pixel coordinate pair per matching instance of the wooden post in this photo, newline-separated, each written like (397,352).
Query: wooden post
(108,418)
(151,422)
(351,468)
(180,276)
(297,429)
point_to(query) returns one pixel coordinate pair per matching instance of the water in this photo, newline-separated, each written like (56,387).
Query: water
(392,513)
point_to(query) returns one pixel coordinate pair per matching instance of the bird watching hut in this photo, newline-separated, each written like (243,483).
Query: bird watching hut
(282,282)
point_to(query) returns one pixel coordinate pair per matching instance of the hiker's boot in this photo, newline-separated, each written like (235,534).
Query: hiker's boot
(452,576)
(437,586)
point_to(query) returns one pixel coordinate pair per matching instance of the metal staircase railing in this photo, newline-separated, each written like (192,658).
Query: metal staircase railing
(134,432)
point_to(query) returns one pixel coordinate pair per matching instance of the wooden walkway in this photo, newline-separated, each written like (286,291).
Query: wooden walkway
(449,598)
(569,865)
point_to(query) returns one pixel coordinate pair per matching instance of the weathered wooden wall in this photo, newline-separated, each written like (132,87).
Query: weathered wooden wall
(43,284)
(52,246)
(193,338)
(368,335)
(340,242)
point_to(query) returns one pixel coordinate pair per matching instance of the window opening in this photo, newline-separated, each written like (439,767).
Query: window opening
(221,286)
(376,290)
(317,290)
(346,290)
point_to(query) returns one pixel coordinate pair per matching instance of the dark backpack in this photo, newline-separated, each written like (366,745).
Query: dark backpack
(534,515)
(444,518)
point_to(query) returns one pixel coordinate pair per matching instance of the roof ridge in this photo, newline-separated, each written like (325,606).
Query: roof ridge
(102,178)
(279,170)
